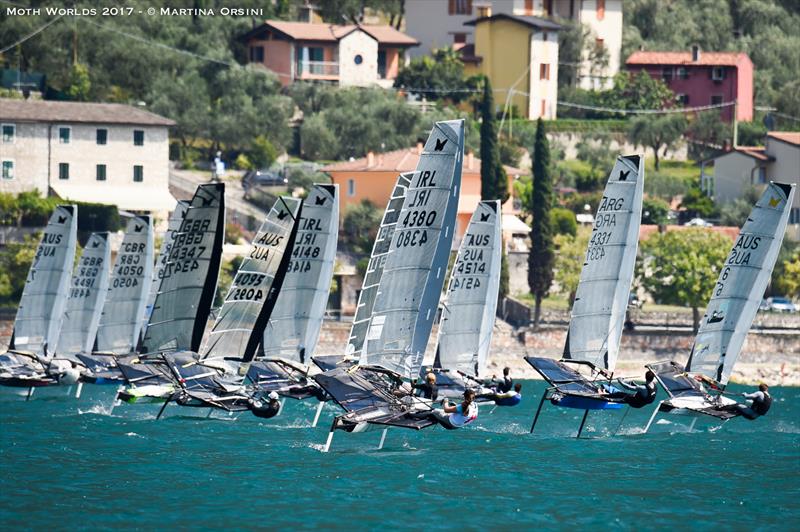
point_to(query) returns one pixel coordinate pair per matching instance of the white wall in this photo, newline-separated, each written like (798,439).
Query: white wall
(732,176)
(610,30)
(358,43)
(543,52)
(28,151)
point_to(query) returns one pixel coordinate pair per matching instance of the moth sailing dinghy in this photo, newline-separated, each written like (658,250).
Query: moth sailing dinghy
(292,333)
(729,316)
(187,281)
(601,299)
(217,377)
(42,305)
(468,314)
(407,296)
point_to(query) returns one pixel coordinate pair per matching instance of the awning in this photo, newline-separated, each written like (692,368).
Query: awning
(128,198)
(512,224)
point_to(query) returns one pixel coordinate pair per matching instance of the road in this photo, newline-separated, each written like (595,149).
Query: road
(239,209)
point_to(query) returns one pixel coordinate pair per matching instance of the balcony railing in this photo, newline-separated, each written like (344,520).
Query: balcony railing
(317,68)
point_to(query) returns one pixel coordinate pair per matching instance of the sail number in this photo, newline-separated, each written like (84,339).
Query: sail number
(411,238)
(245,294)
(721,283)
(595,253)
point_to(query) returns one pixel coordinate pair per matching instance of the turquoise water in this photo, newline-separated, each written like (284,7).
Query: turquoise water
(67,464)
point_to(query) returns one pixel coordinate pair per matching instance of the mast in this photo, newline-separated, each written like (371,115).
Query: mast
(741,285)
(601,299)
(411,285)
(44,298)
(296,321)
(465,333)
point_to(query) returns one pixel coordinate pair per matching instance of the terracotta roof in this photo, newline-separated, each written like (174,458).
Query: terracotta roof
(685,58)
(647,230)
(756,152)
(785,136)
(304,31)
(532,22)
(78,112)
(404,160)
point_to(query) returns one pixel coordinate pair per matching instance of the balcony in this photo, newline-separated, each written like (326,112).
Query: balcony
(318,69)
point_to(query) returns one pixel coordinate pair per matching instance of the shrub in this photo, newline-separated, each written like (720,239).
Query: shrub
(563,221)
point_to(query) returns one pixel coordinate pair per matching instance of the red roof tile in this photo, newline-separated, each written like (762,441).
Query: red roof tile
(404,160)
(685,58)
(785,136)
(305,31)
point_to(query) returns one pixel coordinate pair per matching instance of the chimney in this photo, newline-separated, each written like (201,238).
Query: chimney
(695,53)
(419,148)
(370,159)
(470,160)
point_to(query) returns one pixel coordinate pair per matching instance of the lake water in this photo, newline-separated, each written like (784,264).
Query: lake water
(67,464)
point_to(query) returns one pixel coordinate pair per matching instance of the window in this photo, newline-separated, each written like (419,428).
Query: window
(718,73)
(683,99)
(762,174)
(358,59)
(101,172)
(529,7)
(8,169)
(138,137)
(544,108)
(666,74)
(351,187)
(682,73)
(64,134)
(256,54)
(544,71)
(459,7)
(794,216)
(138,173)
(547,5)
(484,11)
(63,171)
(102,137)
(544,36)
(716,99)
(601,9)
(382,64)
(9,133)
(459,38)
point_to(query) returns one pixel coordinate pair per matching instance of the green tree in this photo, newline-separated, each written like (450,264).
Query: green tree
(563,221)
(735,213)
(262,152)
(596,152)
(682,267)
(697,204)
(542,255)
(709,133)
(657,132)
(494,181)
(570,255)
(789,282)
(360,227)
(440,76)
(637,91)
(80,85)
(184,98)
(504,279)
(654,211)
(15,261)
(317,141)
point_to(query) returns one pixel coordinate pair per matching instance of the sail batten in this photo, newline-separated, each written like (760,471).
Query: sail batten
(412,279)
(741,285)
(598,312)
(44,298)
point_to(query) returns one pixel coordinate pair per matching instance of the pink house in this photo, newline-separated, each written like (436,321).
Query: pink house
(702,78)
(347,55)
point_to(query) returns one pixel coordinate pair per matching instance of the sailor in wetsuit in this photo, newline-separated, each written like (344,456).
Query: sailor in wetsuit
(761,401)
(509,398)
(453,417)
(428,389)
(643,394)
(271,409)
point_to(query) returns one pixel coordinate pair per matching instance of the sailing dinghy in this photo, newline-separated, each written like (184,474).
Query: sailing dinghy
(601,299)
(292,333)
(217,376)
(407,296)
(729,316)
(467,323)
(42,305)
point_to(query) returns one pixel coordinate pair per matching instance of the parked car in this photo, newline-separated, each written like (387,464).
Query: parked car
(781,304)
(698,222)
(264,178)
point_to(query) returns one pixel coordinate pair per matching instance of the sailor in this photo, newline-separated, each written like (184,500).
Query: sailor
(267,411)
(429,389)
(643,394)
(507,382)
(509,398)
(761,401)
(454,417)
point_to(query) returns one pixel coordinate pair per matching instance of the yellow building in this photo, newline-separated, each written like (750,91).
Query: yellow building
(519,55)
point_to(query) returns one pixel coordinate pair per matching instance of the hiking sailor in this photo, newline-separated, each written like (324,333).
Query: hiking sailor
(271,409)
(761,401)
(509,398)
(429,389)
(643,394)
(453,417)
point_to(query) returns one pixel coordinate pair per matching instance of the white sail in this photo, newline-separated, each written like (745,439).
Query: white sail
(128,288)
(411,285)
(44,298)
(86,296)
(188,277)
(296,320)
(601,299)
(240,325)
(374,272)
(741,285)
(465,333)
(173,224)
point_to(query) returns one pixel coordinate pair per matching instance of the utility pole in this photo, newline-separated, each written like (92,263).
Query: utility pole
(736,123)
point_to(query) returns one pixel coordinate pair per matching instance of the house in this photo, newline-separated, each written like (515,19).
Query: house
(440,23)
(91,152)
(347,55)
(373,177)
(755,166)
(528,78)
(701,78)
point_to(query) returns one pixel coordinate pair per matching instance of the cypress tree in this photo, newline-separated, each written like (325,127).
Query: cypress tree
(542,254)
(494,181)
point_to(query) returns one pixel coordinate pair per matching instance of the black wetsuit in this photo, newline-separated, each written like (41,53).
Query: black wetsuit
(761,403)
(645,394)
(505,385)
(266,411)
(429,391)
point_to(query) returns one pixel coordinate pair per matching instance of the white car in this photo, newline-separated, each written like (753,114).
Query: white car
(698,222)
(781,304)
